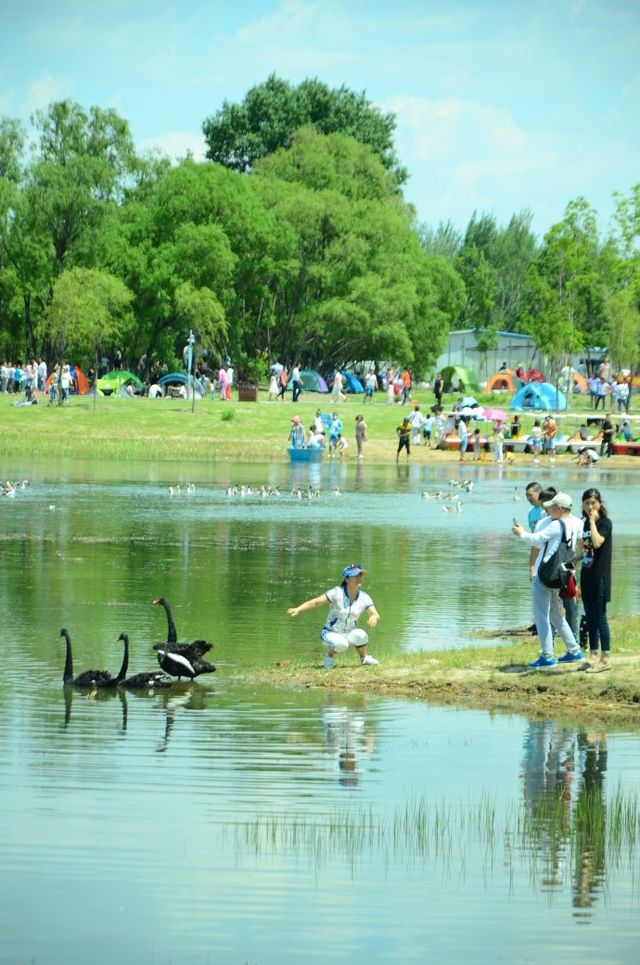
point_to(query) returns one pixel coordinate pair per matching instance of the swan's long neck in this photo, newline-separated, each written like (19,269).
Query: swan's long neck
(67,674)
(172,636)
(125,659)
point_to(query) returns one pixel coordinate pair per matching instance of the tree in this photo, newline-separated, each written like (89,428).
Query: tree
(624,328)
(239,134)
(89,309)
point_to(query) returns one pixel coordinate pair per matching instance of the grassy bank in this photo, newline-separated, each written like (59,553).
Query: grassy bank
(163,429)
(493,678)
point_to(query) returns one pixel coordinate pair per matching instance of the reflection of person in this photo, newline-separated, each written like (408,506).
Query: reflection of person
(595,576)
(347,736)
(347,603)
(547,606)
(590,819)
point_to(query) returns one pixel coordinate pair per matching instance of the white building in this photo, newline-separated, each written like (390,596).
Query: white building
(512,347)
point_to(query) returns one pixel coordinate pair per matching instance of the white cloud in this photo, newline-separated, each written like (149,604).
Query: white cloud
(464,155)
(44,90)
(176,144)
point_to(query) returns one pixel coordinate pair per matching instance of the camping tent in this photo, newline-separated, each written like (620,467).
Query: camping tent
(111,381)
(503,382)
(79,384)
(351,382)
(178,379)
(459,379)
(540,396)
(312,381)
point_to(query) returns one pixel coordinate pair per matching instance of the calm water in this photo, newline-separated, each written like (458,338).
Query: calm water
(227,823)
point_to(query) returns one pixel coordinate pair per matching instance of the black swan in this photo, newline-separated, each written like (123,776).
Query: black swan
(146,679)
(181,659)
(91,679)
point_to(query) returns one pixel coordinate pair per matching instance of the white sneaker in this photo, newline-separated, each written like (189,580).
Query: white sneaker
(369,661)
(328,662)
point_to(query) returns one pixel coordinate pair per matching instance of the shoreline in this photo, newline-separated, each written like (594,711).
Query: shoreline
(485,678)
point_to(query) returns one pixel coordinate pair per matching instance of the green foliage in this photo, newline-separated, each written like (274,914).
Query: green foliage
(89,309)
(228,415)
(238,135)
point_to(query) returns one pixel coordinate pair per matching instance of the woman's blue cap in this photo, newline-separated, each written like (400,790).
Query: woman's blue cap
(354,569)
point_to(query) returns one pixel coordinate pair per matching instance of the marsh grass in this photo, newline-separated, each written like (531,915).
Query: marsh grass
(597,833)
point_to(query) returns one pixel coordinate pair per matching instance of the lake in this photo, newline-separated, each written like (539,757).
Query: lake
(224,822)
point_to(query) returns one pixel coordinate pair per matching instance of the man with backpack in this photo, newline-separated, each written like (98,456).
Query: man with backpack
(556,543)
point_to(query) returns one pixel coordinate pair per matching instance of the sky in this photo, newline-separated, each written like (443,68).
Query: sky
(501,106)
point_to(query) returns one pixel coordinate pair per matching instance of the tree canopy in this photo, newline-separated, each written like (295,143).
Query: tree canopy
(238,135)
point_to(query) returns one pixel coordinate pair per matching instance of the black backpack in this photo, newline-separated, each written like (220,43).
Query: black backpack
(554,572)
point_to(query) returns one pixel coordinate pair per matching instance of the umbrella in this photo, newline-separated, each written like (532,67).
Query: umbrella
(468,401)
(494,415)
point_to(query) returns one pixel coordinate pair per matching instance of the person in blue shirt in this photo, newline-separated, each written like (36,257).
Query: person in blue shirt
(335,431)
(532,492)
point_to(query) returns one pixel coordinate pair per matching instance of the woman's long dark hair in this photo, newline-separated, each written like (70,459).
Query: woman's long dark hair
(595,494)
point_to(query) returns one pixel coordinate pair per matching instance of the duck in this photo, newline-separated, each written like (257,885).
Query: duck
(453,507)
(90,679)
(181,659)
(8,489)
(146,679)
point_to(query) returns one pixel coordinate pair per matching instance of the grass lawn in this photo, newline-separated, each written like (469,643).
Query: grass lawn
(165,429)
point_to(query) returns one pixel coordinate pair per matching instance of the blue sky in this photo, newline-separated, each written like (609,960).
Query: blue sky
(501,105)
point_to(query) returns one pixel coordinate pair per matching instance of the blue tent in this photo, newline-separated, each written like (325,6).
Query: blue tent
(178,379)
(540,396)
(351,382)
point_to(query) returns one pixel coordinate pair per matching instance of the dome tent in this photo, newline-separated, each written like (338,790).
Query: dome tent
(312,381)
(459,379)
(505,381)
(540,396)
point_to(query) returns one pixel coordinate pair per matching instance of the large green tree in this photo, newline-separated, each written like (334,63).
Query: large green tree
(270,113)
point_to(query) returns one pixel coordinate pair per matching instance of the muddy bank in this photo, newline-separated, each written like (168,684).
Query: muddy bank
(486,679)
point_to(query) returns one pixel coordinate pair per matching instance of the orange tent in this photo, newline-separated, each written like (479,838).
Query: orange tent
(580,383)
(501,382)
(80,383)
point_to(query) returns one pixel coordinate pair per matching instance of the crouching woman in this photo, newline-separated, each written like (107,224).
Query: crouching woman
(347,602)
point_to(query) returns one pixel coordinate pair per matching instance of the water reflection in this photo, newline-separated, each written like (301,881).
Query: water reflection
(348,737)
(566,815)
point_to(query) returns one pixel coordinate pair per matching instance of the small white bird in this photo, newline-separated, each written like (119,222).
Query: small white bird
(52,506)
(454,507)
(336,492)
(190,488)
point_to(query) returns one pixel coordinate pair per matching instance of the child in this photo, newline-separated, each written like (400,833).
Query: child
(273,387)
(477,455)
(426,430)
(498,442)
(341,445)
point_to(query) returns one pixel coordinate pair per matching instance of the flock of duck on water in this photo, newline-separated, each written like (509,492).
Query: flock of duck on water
(176,660)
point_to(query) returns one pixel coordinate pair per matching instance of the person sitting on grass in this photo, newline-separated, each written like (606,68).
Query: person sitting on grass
(347,603)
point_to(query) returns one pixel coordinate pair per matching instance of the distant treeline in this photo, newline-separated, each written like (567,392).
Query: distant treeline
(292,242)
